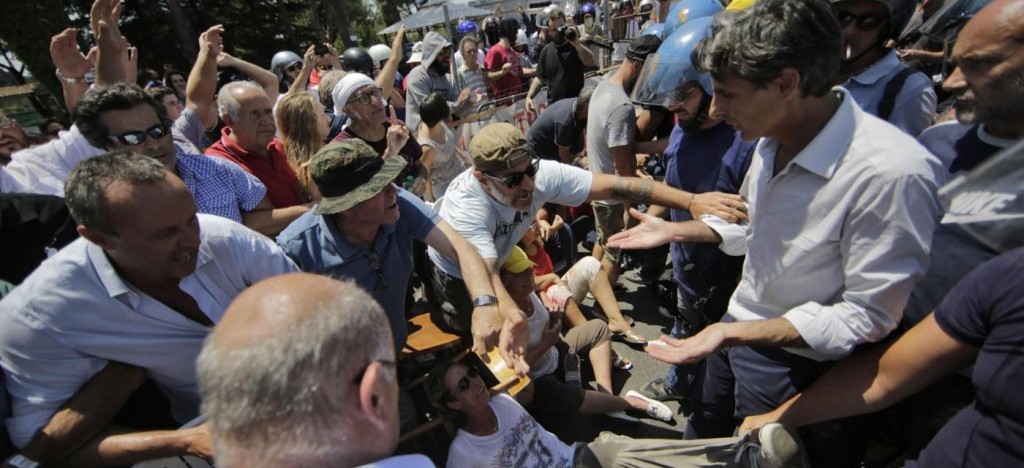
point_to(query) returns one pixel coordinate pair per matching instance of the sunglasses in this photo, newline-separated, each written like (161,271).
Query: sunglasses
(364,98)
(463,384)
(865,22)
(294,67)
(513,180)
(137,137)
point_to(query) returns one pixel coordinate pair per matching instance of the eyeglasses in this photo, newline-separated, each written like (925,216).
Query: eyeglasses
(684,93)
(364,98)
(463,384)
(865,22)
(358,377)
(513,180)
(382,281)
(294,67)
(137,137)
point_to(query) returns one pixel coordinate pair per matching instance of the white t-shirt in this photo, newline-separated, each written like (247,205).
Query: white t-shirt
(538,322)
(493,228)
(612,123)
(519,442)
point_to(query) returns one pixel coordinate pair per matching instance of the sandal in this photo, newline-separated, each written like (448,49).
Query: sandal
(599,313)
(630,337)
(621,363)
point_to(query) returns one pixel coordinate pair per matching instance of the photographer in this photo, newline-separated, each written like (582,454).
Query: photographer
(561,62)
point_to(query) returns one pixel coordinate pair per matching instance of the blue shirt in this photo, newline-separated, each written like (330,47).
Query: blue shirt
(914,108)
(75,313)
(317,246)
(986,311)
(219,186)
(715,159)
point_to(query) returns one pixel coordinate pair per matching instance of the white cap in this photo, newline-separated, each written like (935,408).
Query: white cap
(417,53)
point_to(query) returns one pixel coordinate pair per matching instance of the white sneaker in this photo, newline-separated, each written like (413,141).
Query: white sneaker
(780,448)
(655,409)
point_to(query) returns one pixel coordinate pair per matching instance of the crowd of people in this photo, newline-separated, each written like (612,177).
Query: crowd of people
(223,265)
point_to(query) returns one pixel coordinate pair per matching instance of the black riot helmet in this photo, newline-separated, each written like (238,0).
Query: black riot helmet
(357,60)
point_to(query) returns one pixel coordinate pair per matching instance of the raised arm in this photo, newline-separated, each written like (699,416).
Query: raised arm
(386,78)
(260,75)
(71,66)
(727,206)
(202,80)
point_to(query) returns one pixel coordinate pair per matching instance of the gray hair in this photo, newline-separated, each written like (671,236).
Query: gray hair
(284,400)
(326,86)
(227,102)
(83,190)
(757,43)
(583,100)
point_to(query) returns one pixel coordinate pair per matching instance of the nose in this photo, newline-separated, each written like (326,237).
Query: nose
(527,183)
(955,81)
(717,109)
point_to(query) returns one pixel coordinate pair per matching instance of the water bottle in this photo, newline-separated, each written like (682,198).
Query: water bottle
(408,182)
(572,369)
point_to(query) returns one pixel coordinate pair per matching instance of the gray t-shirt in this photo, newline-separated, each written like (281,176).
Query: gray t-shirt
(611,123)
(189,127)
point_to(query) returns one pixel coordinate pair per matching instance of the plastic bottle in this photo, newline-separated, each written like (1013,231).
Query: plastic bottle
(408,182)
(572,369)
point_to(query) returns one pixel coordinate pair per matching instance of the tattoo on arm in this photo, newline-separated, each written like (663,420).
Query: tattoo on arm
(633,189)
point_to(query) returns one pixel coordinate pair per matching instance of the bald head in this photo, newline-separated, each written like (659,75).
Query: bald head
(989,77)
(276,375)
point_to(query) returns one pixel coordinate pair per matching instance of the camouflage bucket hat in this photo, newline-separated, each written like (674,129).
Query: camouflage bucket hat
(350,172)
(499,146)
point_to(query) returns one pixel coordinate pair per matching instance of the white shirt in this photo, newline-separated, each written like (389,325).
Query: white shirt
(74,313)
(43,169)
(493,228)
(837,240)
(537,322)
(518,442)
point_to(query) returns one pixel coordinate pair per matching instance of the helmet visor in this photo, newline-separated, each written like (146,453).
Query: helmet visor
(665,80)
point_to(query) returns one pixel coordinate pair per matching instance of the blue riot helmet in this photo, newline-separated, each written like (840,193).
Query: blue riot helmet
(588,9)
(656,29)
(688,10)
(669,77)
(466,26)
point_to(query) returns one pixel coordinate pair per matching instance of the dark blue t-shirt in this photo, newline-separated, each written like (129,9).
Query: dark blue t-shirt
(986,310)
(556,127)
(715,159)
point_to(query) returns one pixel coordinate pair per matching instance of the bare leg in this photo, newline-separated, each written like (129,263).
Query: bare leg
(601,288)
(601,362)
(573,314)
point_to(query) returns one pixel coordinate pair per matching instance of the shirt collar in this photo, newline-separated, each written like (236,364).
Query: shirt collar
(878,70)
(822,155)
(340,250)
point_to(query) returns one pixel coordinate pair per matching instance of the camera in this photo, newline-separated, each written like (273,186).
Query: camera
(320,49)
(565,33)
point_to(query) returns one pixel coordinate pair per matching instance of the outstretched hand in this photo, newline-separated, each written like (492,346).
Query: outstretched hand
(651,232)
(67,57)
(727,206)
(689,350)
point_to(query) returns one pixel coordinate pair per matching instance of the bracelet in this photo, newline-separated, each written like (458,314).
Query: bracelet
(689,202)
(68,79)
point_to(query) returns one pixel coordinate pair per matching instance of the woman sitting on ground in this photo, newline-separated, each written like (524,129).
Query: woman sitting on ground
(303,126)
(584,276)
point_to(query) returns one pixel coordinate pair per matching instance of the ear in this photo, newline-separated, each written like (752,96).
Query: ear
(480,177)
(788,83)
(226,118)
(373,401)
(96,237)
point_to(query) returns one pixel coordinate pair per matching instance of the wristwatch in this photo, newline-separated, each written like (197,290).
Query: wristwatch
(485,300)
(20,461)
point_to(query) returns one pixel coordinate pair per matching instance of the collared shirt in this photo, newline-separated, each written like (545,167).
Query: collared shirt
(275,172)
(839,237)
(43,169)
(219,187)
(493,228)
(317,246)
(914,109)
(75,313)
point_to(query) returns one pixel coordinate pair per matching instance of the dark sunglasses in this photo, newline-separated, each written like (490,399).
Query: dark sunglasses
(463,384)
(513,180)
(382,281)
(137,137)
(865,22)
(294,67)
(364,98)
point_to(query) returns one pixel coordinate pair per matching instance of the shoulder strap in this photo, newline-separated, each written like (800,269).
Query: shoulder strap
(892,90)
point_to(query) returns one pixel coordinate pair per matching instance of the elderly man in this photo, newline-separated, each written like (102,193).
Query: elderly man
(494,204)
(842,208)
(247,139)
(143,286)
(363,230)
(300,372)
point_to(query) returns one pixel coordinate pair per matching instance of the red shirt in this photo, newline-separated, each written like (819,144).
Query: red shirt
(275,172)
(541,262)
(512,82)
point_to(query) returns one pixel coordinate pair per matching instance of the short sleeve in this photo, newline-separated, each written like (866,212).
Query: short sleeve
(416,216)
(620,129)
(972,306)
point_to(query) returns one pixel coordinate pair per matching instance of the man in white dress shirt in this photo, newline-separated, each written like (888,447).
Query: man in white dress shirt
(143,286)
(842,207)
